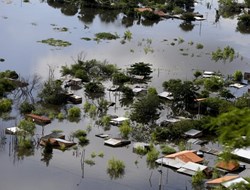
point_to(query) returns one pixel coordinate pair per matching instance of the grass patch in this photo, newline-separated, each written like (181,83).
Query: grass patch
(106,36)
(86,38)
(89,162)
(55,42)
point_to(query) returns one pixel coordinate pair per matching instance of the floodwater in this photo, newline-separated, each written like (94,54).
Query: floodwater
(24,24)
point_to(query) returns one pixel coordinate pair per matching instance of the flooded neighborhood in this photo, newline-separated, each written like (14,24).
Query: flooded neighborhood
(124,94)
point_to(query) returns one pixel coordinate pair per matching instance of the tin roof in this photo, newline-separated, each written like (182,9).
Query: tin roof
(230,166)
(222,179)
(186,156)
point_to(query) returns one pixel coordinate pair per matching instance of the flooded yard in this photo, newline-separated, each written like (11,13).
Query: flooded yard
(170,49)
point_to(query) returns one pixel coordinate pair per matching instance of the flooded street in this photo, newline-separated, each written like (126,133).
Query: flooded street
(23,25)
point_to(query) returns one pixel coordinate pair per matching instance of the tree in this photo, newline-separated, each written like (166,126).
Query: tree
(197,179)
(243,24)
(52,91)
(233,128)
(125,129)
(116,168)
(26,107)
(238,76)
(5,105)
(146,109)
(213,84)
(184,93)
(141,68)
(27,128)
(74,112)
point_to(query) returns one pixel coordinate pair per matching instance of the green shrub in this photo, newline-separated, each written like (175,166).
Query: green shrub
(165,149)
(116,168)
(106,36)
(74,112)
(5,105)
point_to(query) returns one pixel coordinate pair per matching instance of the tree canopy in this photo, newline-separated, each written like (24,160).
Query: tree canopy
(233,128)
(146,109)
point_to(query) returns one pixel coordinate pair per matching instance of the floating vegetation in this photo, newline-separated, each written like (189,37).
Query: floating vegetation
(62,29)
(180,40)
(199,46)
(93,155)
(226,53)
(191,43)
(132,51)
(184,54)
(34,24)
(55,42)
(127,35)
(86,38)
(90,162)
(148,49)
(172,44)
(106,36)
(2,59)
(101,154)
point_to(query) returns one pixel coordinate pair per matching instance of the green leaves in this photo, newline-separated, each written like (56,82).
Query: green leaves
(233,128)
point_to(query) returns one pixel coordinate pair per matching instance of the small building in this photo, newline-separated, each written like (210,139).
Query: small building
(228,166)
(193,133)
(144,146)
(166,95)
(102,135)
(191,168)
(208,74)
(237,85)
(12,130)
(246,76)
(196,141)
(225,181)
(118,120)
(117,142)
(138,90)
(38,119)
(45,139)
(177,160)
(75,99)
(243,154)
(56,140)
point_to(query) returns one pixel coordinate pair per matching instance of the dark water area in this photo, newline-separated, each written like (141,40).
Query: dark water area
(22,25)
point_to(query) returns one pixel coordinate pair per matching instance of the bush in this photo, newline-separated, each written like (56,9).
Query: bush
(165,149)
(5,105)
(115,168)
(238,76)
(79,133)
(106,36)
(26,107)
(125,129)
(74,112)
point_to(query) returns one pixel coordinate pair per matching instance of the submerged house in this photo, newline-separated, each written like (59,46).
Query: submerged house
(12,130)
(116,142)
(193,133)
(229,166)
(243,154)
(166,95)
(179,159)
(56,140)
(118,120)
(225,181)
(191,168)
(38,119)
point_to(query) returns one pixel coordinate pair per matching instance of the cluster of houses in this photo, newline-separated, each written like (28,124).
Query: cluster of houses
(189,163)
